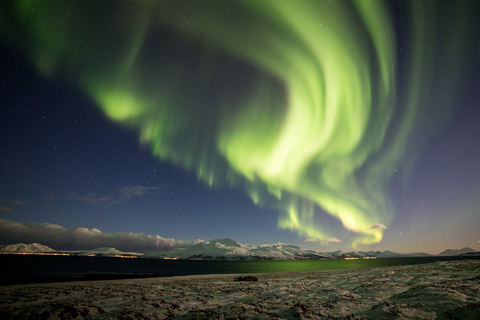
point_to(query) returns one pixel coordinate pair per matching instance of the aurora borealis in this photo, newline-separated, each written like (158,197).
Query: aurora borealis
(317,110)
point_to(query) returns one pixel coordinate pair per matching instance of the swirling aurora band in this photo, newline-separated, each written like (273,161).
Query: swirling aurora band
(305,104)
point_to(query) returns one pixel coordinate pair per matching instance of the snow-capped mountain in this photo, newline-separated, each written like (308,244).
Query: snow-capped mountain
(228,249)
(103,251)
(392,254)
(25,248)
(36,248)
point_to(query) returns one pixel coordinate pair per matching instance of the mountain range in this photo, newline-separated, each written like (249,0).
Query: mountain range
(37,248)
(456,252)
(228,249)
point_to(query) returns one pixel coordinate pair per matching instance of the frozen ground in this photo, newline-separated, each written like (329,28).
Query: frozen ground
(441,290)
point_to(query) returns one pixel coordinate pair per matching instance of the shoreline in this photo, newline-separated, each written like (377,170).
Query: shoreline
(424,291)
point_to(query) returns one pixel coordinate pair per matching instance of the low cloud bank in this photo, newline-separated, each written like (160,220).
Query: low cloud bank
(60,238)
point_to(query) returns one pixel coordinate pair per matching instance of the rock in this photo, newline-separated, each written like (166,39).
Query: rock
(245,278)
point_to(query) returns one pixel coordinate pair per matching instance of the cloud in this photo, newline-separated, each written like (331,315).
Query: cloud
(60,238)
(378,226)
(5,209)
(116,197)
(9,205)
(311,240)
(334,240)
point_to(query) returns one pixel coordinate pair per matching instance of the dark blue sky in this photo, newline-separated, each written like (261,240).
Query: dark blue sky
(65,164)
(59,149)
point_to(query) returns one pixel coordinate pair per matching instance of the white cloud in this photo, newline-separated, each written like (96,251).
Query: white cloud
(61,238)
(378,226)
(311,240)
(334,240)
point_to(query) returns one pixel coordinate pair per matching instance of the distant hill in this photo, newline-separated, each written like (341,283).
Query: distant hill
(456,252)
(25,248)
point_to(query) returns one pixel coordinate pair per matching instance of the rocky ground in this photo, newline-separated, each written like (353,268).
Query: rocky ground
(441,290)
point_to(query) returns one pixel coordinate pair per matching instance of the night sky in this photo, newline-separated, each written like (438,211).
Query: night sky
(332,125)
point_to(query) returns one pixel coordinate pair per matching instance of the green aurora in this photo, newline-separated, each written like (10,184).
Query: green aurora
(312,107)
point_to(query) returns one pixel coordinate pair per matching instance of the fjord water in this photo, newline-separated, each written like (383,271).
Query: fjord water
(34,268)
